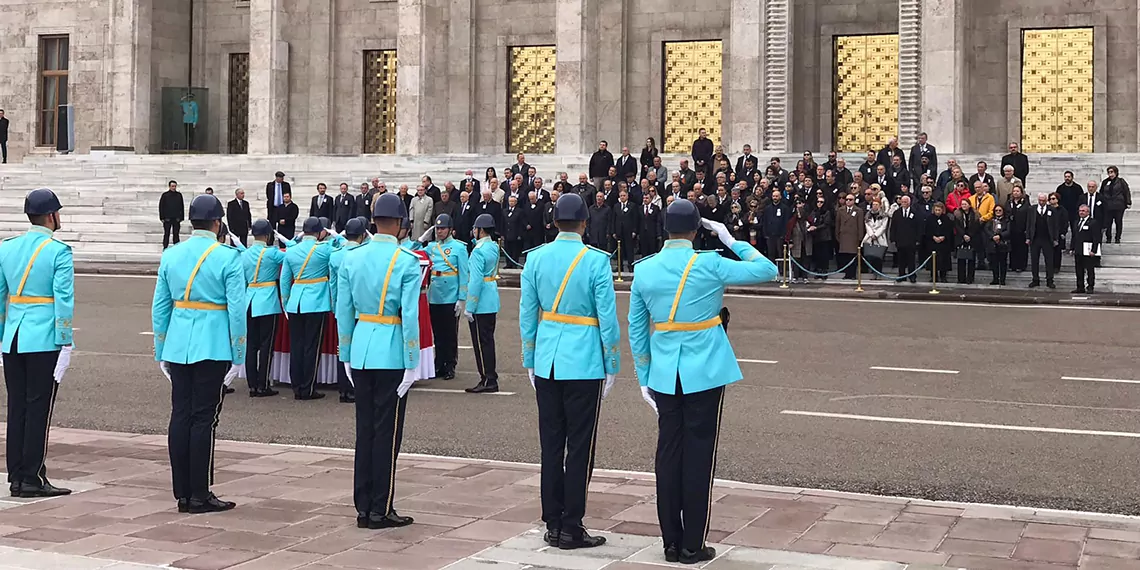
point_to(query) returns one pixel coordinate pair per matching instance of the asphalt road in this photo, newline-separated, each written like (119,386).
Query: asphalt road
(897,432)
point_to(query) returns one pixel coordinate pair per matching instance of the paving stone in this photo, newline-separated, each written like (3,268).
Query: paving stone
(1098,547)
(976,547)
(1105,563)
(1055,531)
(848,533)
(761,537)
(91,544)
(494,531)
(861,515)
(911,536)
(217,559)
(1045,550)
(175,532)
(776,557)
(256,542)
(797,520)
(984,563)
(128,554)
(551,558)
(988,530)
(894,554)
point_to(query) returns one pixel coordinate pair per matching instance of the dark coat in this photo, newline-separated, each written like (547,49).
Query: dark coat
(1081,235)
(491,207)
(171,206)
(600,163)
(344,209)
(939,226)
(1052,223)
(514,222)
(906,231)
(626,165)
(650,223)
(775,219)
(238,217)
(1117,195)
(270,193)
(884,156)
(916,154)
(600,226)
(288,213)
(996,227)
(1019,162)
(327,210)
(627,220)
(464,219)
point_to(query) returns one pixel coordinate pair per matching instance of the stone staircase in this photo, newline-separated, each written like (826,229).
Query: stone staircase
(110,202)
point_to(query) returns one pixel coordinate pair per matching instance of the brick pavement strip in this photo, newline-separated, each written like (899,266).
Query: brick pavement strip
(294,511)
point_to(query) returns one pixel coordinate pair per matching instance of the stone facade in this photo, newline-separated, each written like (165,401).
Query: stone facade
(959,68)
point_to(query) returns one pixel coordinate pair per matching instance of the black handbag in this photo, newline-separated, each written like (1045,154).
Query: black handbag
(874,251)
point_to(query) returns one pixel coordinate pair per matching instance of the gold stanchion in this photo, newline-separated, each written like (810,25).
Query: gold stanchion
(934,273)
(784,262)
(619,279)
(859,269)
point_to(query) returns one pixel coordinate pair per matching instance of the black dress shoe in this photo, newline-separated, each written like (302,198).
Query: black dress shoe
(1090,290)
(29,491)
(671,554)
(994,282)
(313,396)
(1051,285)
(449,375)
(474,388)
(1077,290)
(378,521)
(568,541)
(183,505)
(361,520)
(551,536)
(230,390)
(15,488)
(347,398)
(263,393)
(210,504)
(1033,284)
(703,555)
(484,389)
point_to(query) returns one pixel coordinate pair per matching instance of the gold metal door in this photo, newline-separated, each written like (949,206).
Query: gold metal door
(239,103)
(380,101)
(866,91)
(1056,90)
(693,73)
(530,100)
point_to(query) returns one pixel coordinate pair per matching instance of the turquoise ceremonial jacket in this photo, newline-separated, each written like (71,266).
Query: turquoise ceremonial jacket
(483,279)
(411,244)
(199,304)
(449,264)
(380,281)
(38,282)
(262,265)
(688,340)
(336,261)
(570,286)
(305,276)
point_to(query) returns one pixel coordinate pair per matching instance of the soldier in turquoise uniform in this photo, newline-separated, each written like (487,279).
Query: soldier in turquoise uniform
(447,294)
(262,263)
(571,356)
(685,365)
(377,310)
(38,284)
(354,235)
(305,291)
(199,323)
(482,305)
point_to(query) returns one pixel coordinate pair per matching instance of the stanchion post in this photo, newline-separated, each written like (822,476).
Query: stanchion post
(859,269)
(934,273)
(619,279)
(784,262)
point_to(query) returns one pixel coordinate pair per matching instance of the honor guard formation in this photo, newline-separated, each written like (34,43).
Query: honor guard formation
(396,305)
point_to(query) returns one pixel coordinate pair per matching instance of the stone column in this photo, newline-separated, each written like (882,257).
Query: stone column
(611,87)
(268,79)
(741,122)
(777,74)
(910,71)
(460,78)
(129,81)
(322,68)
(575,112)
(942,77)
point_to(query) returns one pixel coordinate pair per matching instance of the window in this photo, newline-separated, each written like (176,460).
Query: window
(53,86)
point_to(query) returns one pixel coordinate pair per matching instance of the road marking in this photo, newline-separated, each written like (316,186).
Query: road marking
(130,354)
(977,401)
(928,370)
(451,391)
(1112,380)
(462,346)
(147,333)
(751,361)
(1001,427)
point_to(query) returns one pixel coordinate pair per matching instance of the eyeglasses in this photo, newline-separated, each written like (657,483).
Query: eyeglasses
(850,199)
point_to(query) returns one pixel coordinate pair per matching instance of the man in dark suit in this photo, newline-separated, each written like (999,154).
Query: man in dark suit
(286,216)
(919,150)
(532,228)
(649,229)
(885,182)
(1094,201)
(1086,231)
(469,176)
(743,158)
(464,217)
(514,221)
(275,196)
(445,205)
(238,216)
(488,206)
(520,167)
(344,208)
(984,176)
(899,177)
(626,164)
(1018,161)
(599,225)
(905,233)
(892,149)
(321,205)
(430,189)
(626,224)
(550,230)
(172,210)
(1042,230)
(541,195)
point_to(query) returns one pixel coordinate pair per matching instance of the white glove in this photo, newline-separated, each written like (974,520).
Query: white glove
(280,237)
(460,308)
(348,372)
(470,318)
(648,397)
(368,233)
(608,385)
(426,237)
(234,239)
(530,373)
(165,368)
(62,363)
(406,384)
(721,231)
(229,379)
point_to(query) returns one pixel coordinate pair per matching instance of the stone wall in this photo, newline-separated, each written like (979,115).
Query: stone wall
(223,29)
(169,59)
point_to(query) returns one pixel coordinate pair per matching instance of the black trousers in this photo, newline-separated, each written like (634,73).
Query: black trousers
(169,228)
(775,249)
(904,258)
(627,251)
(31,399)
(1037,251)
(514,249)
(999,266)
(445,330)
(568,412)
(343,386)
(195,406)
(259,331)
(1084,264)
(4,150)
(483,337)
(304,349)
(688,428)
(966,266)
(379,433)
(1111,216)
(1057,251)
(841,260)
(647,245)
(1018,253)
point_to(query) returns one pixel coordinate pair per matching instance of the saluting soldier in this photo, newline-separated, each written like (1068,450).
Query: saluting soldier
(483,302)
(571,356)
(305,291)
(684,367)
(378,291)
(38,283)
(199,322)
(447,294)
(354,231)
(262,263)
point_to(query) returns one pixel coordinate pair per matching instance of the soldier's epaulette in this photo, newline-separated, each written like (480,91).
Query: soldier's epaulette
(459,241)
(229,246)
(65,244)
(534,248)
(601,251)
(644,258)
